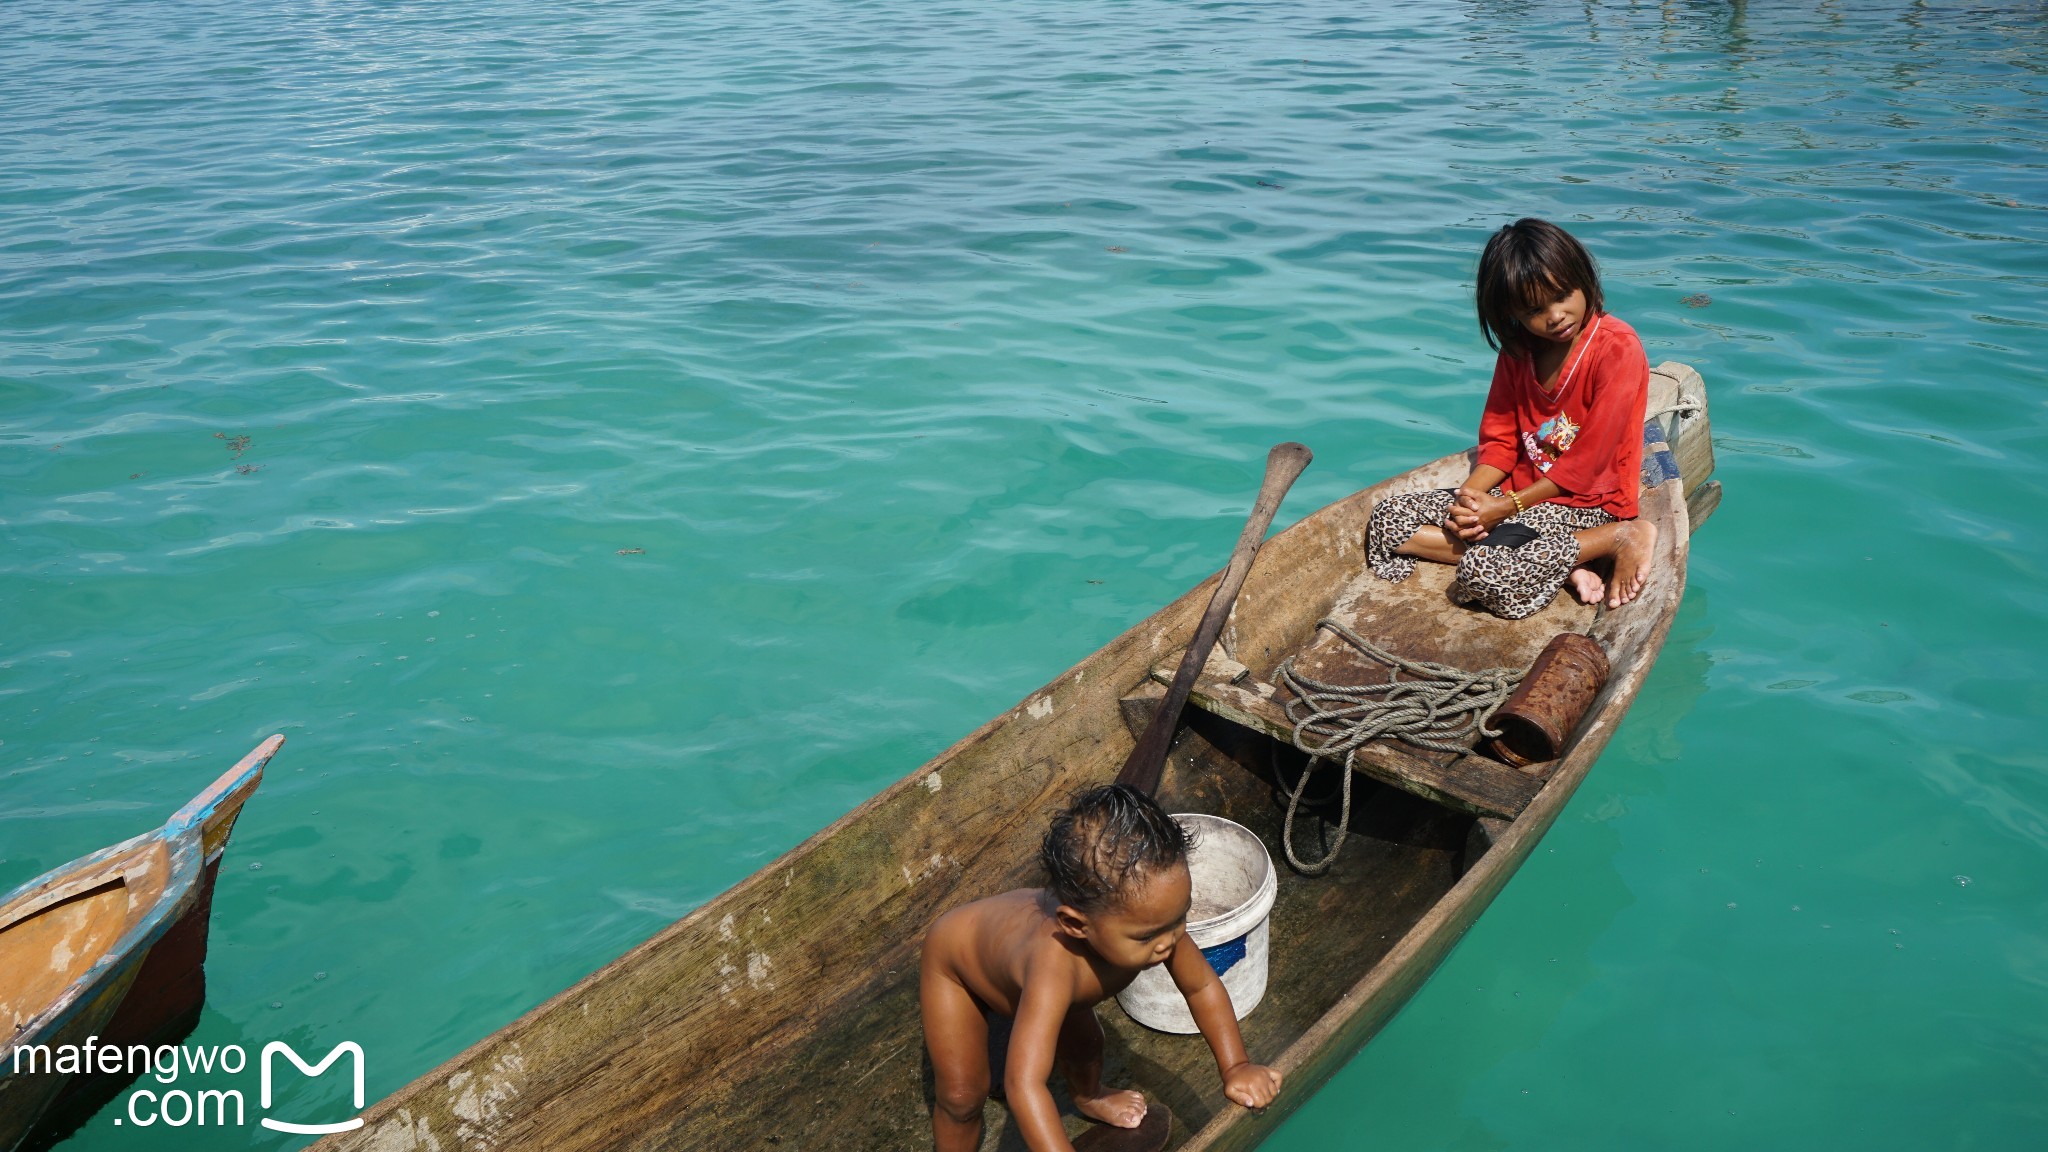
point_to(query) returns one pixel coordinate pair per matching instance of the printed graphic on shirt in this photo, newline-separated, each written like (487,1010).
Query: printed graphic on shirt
(1550,440)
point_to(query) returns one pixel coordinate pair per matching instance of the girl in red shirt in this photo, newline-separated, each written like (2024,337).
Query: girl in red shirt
(1560,443)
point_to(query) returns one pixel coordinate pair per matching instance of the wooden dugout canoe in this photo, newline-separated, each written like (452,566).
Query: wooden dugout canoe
(784,1013)
(110,946)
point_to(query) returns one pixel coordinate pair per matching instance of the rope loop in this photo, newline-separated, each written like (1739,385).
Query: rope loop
(1686,406)
(1439,708)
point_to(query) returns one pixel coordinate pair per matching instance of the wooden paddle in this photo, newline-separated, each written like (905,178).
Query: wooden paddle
(1147,761)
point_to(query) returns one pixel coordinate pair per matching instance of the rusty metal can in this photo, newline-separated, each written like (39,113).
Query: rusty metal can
(1551,700)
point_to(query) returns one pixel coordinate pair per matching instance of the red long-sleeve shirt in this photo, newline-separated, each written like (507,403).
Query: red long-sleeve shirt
(1589,440)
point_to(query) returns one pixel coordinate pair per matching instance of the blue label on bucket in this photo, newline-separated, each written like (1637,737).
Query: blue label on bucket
(1223,957)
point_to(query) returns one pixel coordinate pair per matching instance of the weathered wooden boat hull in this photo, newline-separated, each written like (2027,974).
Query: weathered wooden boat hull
(784,1014)
(110,946)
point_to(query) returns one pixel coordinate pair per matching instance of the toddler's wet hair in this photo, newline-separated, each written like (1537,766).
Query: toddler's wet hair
(1106,839)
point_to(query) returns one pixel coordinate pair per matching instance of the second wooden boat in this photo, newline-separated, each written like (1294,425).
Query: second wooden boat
(784,1014)
(110,946)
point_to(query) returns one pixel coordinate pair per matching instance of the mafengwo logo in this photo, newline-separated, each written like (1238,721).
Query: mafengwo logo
(346,1047)
(147,1107)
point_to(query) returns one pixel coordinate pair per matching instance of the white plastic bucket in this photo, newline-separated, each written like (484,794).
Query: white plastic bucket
(1234,885)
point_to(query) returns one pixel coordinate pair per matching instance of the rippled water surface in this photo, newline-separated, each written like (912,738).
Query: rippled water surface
(613,442)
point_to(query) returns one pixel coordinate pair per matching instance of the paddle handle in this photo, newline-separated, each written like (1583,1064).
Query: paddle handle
(1147,761)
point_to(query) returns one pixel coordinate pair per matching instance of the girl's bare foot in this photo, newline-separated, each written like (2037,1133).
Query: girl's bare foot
(1635,541)
(1587,585)
(1122,1109)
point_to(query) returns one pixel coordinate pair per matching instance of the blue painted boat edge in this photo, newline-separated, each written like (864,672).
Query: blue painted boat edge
(181,892)
(184,833)
(234,784)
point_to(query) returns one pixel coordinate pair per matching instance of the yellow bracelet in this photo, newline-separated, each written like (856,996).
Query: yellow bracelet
(1517,498)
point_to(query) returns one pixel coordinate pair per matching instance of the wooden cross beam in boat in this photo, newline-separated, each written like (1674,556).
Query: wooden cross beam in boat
(1469,783)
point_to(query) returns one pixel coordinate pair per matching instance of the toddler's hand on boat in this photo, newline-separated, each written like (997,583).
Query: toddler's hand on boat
(1252,1085)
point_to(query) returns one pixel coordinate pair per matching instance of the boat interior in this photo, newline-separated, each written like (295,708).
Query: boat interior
(1418,821)
(51,936)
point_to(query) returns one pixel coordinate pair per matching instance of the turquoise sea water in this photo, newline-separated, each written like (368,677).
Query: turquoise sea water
(667,425)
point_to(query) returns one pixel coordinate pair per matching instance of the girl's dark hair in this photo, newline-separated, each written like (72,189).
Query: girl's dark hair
(1527,265)
(1103,840)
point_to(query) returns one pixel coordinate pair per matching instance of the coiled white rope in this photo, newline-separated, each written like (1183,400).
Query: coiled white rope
(1439,708)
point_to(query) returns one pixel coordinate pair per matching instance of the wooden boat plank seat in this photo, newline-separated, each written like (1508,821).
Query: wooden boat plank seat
(1417,619)
(1469,783)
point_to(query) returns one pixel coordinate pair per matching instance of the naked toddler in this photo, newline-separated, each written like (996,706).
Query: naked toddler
(1115,904)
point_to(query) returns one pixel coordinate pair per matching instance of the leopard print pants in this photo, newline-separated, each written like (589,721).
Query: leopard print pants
(1509,582)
